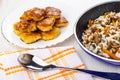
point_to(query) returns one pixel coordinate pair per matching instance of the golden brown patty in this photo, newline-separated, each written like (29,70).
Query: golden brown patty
(34,13)
(46,24)
(25,26)
(30,37)
(61,22)
(50,34)
(26,15)
(37,14)
(53,12)
(15,28)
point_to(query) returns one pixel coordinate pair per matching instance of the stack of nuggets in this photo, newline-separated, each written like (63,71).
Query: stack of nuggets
(39,24)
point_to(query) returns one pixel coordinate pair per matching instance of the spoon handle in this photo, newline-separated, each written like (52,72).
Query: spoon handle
(107,75)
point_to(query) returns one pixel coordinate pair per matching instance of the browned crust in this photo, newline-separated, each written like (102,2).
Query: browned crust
(46,24)
(53,12)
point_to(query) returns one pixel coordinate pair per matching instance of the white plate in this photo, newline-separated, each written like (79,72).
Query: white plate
(66,32)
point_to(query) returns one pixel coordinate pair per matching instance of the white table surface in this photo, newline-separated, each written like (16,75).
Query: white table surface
(7,6)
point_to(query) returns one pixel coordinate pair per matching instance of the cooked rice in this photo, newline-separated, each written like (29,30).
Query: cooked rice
(103,32)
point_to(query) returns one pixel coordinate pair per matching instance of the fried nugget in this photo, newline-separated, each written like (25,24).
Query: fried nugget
(50,34)
(30,37)
(26,15)
(46,24)
(61,22)
(26,26)
(53,12)
(15,28)
(37,14)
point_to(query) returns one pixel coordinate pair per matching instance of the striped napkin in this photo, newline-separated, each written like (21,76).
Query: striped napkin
(10,69)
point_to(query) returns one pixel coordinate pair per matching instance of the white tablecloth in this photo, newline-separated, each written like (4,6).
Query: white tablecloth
(7,6)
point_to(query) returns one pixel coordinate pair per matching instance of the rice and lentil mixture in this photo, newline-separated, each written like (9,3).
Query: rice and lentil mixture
(102,36)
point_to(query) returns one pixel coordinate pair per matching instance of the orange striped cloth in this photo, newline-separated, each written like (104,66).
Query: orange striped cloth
(10,69)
